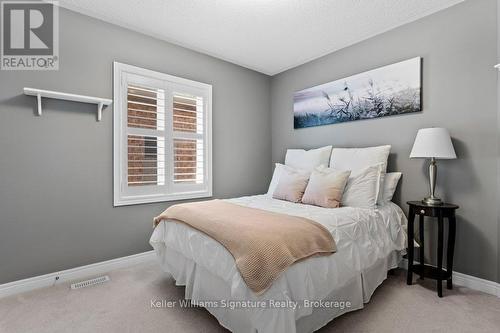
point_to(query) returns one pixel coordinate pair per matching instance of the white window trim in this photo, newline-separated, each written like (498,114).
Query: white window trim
(119,134)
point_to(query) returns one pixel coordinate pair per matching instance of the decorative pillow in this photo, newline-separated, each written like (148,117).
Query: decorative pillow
(278,167)
(390,182)
(308,159)
(325,187)
(359,158)
(291,184)
(363,187)
(355,159)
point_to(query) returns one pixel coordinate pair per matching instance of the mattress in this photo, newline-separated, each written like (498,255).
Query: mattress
(367,241)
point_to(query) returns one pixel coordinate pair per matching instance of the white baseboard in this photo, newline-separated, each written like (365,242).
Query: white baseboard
(468,281)
(51,279)
(76,273)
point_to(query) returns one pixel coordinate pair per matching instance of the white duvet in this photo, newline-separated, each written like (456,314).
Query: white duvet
(363,237)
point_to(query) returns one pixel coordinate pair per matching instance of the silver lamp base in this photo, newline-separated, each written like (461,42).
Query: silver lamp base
(432,201)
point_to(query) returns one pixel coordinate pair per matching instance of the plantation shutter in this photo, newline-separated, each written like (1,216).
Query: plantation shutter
(145,136)
(162,137)
(188,139)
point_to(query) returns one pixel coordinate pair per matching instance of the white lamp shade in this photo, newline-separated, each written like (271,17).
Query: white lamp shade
(433,142)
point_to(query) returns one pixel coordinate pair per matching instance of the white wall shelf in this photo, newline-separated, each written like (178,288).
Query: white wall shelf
(497,66)
(39,93)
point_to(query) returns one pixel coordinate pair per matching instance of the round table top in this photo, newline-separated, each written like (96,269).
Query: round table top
(423,204)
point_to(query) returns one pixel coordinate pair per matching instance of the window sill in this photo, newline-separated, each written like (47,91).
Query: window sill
(138,200)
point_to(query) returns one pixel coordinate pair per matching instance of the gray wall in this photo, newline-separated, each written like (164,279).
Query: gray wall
(56,207)
(498,137)
(459,48)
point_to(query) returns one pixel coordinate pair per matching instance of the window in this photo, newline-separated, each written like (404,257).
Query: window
(162,137)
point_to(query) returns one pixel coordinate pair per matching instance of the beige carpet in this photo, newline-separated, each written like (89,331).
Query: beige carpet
(124,305)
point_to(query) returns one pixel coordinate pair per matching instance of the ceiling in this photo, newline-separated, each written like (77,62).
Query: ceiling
(269,36)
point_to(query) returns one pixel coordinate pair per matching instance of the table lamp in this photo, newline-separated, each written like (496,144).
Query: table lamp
(434,143)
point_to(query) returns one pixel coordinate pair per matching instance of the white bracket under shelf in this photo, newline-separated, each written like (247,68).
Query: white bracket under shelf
(39,93)
(497,66)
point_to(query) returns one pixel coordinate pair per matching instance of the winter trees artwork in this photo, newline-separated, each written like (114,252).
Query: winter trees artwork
(385,91)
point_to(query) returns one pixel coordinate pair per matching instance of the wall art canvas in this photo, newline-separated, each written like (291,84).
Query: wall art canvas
(390,90)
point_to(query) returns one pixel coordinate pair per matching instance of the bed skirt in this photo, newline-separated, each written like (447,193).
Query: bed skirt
(204,288)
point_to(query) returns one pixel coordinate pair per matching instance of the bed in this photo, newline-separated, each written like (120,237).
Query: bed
(311,292)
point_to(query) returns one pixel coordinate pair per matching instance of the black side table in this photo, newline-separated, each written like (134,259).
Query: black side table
(437,273)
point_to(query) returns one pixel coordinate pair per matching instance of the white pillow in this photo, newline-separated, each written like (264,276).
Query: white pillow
(308,160)
(390,182)
(278,167)
(363,187)
(359,158)
(355,159)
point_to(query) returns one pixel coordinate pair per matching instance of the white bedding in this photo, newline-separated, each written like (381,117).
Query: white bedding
(364,237)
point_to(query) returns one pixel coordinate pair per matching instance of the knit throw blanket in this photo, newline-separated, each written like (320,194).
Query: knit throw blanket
(262,243)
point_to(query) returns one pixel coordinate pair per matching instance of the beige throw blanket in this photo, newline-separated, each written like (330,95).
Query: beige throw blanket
(262,243)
